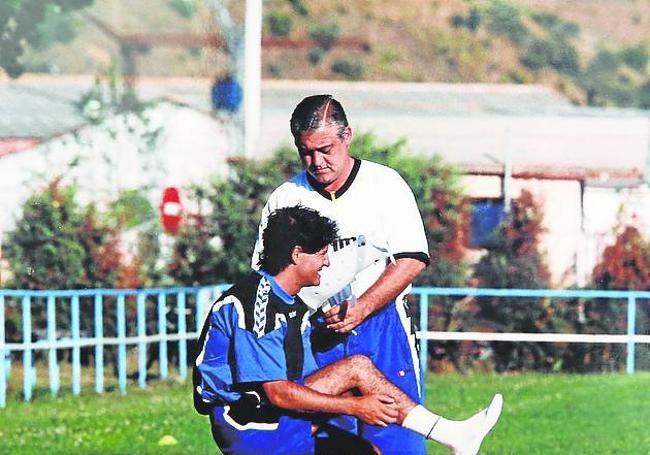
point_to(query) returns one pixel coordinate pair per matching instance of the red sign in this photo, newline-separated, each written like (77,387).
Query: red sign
(171,210)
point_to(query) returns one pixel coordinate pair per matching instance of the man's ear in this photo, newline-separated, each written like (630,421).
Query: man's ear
(295,253)
(347,136)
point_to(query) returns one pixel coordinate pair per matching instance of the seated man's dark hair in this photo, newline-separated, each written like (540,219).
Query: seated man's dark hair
(317,110)
(289,227)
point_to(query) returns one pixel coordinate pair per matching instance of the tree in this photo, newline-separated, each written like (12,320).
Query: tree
(35,23)
(623,265)
(58,244)
(617,76)
(515,261)
(504,17)
(626,264)
(42,250)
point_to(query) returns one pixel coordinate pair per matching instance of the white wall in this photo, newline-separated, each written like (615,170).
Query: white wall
(561,241)
(575,236)
(192,148)
(607,211)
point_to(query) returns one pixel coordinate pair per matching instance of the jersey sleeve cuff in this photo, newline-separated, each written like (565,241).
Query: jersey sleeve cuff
(420,256)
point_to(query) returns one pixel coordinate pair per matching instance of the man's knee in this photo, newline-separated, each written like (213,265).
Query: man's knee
(359,363)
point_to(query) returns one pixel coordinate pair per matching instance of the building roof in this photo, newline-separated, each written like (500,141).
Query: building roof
(476,126)
(32,109)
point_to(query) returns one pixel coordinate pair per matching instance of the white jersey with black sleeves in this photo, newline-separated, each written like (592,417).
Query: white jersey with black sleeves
(375,205)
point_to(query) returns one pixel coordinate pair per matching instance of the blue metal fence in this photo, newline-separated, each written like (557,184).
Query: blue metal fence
(35,322)
(97,319)
(631,338)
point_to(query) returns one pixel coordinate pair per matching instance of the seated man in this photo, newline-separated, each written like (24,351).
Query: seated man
(256,376)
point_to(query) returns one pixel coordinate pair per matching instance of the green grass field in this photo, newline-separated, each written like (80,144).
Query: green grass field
(543,414)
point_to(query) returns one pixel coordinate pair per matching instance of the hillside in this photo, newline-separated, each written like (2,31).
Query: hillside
(594,51)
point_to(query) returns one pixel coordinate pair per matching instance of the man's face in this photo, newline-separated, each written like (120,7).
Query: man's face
(326,156)
(310,265)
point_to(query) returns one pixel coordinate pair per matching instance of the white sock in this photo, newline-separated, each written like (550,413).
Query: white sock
(464,437)
(420,420)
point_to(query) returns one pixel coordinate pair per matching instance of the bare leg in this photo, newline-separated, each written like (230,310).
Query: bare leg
(461,437)
(358,372)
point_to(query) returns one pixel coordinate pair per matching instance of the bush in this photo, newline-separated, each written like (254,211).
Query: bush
(352,69)
(470,22)
(603,82)
(457,21)
(515,261)
(504,18)
(58,244)
(644,95)
(636,57)
(280,23)
(623,265)
(537,54)
(626,264)
(43,250)
(299,7)
(555,25)
(556,50)
(316,54)
(325,35)
(184,8)
(540,53)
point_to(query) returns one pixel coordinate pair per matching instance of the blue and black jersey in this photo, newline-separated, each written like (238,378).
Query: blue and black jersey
(254,333)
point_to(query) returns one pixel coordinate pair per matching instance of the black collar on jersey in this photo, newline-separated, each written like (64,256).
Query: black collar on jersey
(332,195)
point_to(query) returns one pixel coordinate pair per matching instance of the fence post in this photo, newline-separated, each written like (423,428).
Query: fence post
(3,373)
(121,346)
(631,331)
(27,353)
(142,345)
(51,338)
(162,332)
(76,350)
(182,330)
(202,296)
(424,326)
(99,347)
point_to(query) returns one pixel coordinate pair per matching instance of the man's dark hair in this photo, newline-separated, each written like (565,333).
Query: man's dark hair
(317,110)
(289,227)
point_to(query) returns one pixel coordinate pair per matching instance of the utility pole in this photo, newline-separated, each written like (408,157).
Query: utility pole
(507,172)
(252,76)
(244,45)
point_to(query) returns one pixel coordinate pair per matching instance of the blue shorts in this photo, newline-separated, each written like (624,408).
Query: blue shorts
(287,436)
(388,340)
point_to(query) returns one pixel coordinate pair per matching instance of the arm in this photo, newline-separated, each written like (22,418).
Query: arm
(372,409)
(257,250)
(212,373)
(395,278)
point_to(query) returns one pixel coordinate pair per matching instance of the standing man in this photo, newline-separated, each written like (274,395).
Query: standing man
(373,202)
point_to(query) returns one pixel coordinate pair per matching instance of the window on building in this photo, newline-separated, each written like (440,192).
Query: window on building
(487,214)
